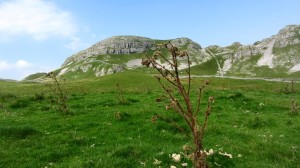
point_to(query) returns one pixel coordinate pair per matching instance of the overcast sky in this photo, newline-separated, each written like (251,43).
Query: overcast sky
(38,35)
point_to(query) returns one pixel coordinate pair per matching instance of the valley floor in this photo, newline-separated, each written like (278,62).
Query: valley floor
(112,125)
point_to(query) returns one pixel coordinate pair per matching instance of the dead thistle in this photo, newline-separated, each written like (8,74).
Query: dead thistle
(59,95)
(120,94)
(179,95)
(294,107)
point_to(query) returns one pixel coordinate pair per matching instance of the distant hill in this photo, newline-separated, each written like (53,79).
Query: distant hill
(8,80)
(277,56)
(35,76)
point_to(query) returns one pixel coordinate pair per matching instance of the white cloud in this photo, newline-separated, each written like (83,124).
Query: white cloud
(38,18)
(4,66)
(20,64)
(20,69)
(75,44)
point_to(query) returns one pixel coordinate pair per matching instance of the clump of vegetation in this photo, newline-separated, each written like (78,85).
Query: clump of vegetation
(20,103)
(294,107)
(289,87)
(179,95)
(120,94)
(17,132)
(59,95)
(7,96)
(39,96)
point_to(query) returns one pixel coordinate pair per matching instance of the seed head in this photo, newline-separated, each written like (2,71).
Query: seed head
(206,82)
(211,99)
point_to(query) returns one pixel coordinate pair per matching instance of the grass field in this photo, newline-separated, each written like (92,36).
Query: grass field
(250,120)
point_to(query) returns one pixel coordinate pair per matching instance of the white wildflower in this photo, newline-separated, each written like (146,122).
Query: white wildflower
(226,154)
(157,162)
(184,164)
(210,152)
(172,166)
(239,155)
(176,157)
(143,163)
(261,104)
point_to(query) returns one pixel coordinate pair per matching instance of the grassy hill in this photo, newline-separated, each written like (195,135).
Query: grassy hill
(250,120)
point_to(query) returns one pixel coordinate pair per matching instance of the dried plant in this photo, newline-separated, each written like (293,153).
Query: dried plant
(294,107)
(120,94)
(179,97)
(289,87)
(59,95)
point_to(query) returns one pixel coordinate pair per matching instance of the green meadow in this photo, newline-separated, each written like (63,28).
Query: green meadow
(112,126)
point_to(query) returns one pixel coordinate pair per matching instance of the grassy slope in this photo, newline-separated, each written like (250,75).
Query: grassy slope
(249,118)
(35,76)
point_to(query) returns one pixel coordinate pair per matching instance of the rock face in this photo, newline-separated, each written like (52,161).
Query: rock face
(119,53)
(290,35)
(126,45)
(114,45)
(279,54)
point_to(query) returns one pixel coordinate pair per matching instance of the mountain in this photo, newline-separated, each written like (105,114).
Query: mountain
(120,53)
(276,56)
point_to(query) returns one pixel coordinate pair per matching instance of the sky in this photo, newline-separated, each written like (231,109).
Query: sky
(38,35)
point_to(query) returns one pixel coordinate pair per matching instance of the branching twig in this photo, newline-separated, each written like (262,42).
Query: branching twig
(185,108)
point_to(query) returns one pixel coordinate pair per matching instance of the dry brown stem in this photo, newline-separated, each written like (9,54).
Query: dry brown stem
(171,82)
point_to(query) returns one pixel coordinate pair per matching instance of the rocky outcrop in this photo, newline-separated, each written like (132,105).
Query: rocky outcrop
(268,56)
(102,58)
(114,45)
(246,51)
(280,51)
(127,45)
(180,42)
(290,35)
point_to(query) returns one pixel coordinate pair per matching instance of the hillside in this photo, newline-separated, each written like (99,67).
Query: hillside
(277,56)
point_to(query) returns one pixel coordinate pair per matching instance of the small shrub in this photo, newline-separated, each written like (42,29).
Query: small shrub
(17,132)
(121,116)
(120,95)
(259,122)
(39,96)
(294,107)
(20,103)
(59,95)
(288,87)
(7,96)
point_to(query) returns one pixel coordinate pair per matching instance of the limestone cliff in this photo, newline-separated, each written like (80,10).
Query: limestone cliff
(276,56)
